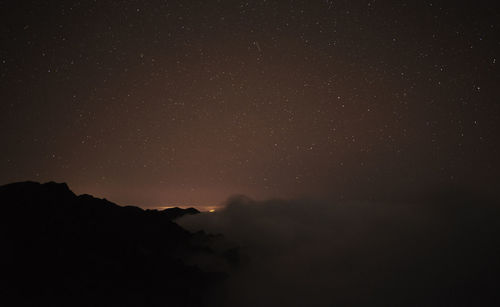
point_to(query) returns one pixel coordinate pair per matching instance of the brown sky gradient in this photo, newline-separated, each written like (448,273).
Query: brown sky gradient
(155,103)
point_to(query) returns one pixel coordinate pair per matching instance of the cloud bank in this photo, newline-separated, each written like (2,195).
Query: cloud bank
(439,252)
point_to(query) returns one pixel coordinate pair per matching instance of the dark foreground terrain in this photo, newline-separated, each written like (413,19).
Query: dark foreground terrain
(60,249)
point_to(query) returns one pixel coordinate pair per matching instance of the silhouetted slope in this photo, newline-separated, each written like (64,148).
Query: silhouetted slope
(61,249)
(173,213)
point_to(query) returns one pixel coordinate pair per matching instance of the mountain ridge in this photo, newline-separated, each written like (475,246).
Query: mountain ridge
(60,245)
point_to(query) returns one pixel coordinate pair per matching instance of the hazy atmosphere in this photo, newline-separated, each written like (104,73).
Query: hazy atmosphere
(250,153)
(156,103)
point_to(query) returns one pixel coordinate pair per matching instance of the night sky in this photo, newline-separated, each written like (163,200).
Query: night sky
(158,103)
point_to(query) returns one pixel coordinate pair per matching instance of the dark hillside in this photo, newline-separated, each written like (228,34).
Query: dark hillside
(61,249)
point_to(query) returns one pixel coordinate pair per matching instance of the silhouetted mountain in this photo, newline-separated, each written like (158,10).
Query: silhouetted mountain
(173,213)
(61,249)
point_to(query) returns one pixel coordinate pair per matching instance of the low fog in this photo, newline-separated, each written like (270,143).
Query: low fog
(440,251)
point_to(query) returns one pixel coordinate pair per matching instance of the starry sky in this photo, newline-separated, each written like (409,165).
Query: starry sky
(156,103)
